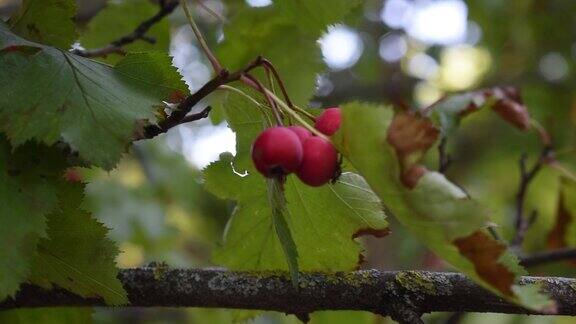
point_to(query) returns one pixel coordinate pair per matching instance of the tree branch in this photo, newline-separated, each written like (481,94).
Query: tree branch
(178,116)
(166,8)
(526,176)
(404,294)
(548,257)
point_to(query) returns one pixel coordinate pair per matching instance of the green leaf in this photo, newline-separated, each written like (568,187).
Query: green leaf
(314,15)
(153,75)
(52,95)
(266,32)
(319,219)
(47,316)
(49,22)
(77,255)
(27,195)
(125,16)
(505,101)
(436,211)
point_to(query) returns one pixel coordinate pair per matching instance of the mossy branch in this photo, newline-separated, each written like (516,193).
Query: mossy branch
(404,295)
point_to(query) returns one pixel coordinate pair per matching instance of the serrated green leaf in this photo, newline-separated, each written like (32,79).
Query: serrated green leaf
(52,95)
(265,31)
(27,195)
(49,22)
(47,316)
(77,255)
(313,16)
(436,211)
(159,75)
(125,16)
(319,219)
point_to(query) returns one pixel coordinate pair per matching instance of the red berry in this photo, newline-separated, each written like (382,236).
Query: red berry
(329,121)
(277,151)
(302,132)
(319,163)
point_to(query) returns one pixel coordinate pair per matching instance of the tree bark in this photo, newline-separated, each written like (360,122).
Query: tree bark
(404,295)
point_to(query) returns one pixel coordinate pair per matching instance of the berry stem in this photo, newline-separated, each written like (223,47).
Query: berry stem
(247,96)
(304,112)
(213,13)
(211,57)
(268,94)
(295,115)
(270,68)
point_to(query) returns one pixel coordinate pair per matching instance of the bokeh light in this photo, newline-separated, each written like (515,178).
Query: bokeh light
(204,144)
(341,47)
(396,13)
(422,66)
(425,93)
(462,67)
(392,47)
(441,22)
(553,66)
(259,3)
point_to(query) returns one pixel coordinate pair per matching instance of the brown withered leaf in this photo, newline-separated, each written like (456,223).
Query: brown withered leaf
(557,236)
(513,112)
(564,219)
(410,134)
(484,252)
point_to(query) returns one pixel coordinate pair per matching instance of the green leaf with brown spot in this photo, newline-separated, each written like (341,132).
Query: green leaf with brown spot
(383,147)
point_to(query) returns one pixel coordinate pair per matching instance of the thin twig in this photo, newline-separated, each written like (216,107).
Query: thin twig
(270,67)
(444,158)
(199,115)
(549,257)
(297,117)
(116,46)
(522,223)
(216,66)
(271,102)
(213,13)
(262,108)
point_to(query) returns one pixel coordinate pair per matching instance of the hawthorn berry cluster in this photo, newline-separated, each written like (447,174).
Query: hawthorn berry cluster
(279,151)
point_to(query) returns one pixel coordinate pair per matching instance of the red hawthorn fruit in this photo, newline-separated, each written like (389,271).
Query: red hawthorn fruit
(277,151)
(329,121)
(319,162)
(302,132)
